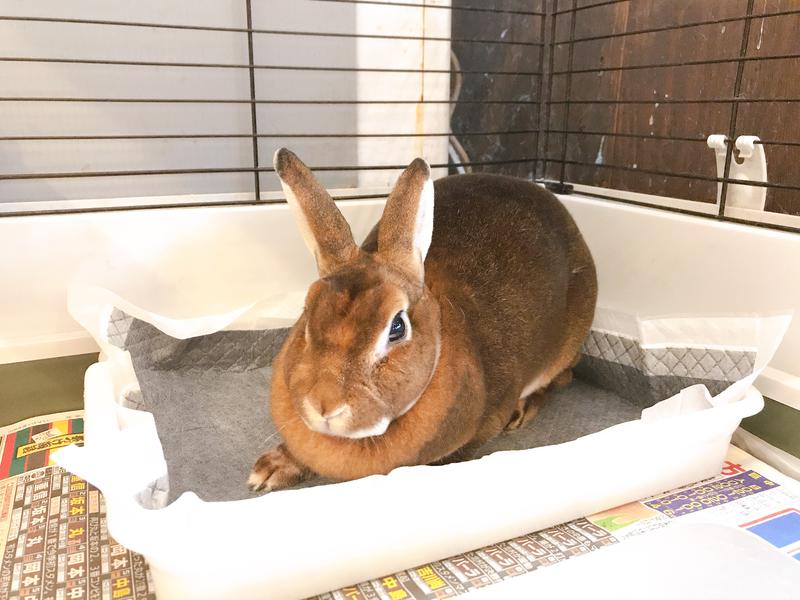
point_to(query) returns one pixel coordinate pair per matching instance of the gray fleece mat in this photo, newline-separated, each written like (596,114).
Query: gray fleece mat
(213,424)
(209,396)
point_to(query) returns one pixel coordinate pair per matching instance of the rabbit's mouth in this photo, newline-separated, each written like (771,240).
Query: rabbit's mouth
(339,423)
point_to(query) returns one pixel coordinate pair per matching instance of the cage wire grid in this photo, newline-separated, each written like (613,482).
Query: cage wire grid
(549,140)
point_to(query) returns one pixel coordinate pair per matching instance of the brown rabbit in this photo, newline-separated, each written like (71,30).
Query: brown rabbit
(440,331)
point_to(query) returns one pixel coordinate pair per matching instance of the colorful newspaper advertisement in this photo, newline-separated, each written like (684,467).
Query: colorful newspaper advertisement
(53,536)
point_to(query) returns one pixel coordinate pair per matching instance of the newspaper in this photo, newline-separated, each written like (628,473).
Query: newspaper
(55,544)
(747,493)
(53,535)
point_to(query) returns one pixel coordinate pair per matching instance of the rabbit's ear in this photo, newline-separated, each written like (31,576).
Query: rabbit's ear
(324,229)
(405,231)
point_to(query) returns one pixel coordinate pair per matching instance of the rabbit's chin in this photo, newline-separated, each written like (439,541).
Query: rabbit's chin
(377,429)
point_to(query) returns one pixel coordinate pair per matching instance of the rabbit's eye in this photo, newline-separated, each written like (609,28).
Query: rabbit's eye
(398,329)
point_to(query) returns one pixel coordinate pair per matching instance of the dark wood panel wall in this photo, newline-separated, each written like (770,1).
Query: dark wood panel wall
(672,134)
(526,89)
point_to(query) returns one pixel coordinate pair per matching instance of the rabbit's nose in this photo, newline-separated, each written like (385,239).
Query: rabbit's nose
(319,414)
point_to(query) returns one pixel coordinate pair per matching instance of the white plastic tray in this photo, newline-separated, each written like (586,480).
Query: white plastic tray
(297,543)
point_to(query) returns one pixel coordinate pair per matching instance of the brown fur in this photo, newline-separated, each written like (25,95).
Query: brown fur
(507,298)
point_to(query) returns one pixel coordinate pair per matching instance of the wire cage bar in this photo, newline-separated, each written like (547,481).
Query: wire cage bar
(547,129)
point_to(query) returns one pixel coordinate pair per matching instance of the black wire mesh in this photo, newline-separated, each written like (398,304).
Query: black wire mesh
(547,102)
(521,12)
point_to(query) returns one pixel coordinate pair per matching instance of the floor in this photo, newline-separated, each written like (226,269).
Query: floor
(39,387)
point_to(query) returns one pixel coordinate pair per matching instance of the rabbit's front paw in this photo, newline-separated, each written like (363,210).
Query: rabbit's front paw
(276,470)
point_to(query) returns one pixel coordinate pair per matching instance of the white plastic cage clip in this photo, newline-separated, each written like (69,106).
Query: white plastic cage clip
(753,167)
